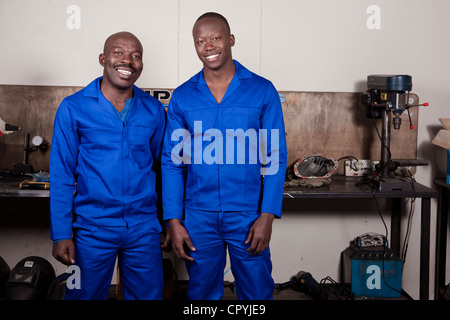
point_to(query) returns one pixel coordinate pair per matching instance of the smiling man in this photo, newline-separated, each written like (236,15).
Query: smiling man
(214,205)
(105,155)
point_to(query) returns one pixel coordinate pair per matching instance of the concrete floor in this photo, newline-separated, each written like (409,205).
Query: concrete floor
(330,291)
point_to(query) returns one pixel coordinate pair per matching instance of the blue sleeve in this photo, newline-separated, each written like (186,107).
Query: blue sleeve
(63,161)
(275,170)
(156,142)
(172,167)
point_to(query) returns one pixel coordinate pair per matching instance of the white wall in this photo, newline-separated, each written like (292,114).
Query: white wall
(301,45)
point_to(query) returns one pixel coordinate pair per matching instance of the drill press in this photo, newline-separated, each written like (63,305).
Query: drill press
(389,94)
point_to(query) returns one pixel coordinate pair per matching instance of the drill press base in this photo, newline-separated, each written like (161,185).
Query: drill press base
(392,184)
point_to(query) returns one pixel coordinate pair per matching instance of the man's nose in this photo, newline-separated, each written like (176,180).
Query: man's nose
(126,58)
(209,45)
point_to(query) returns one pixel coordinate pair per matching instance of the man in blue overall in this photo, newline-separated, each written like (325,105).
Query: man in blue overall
(223,164)
(106,148)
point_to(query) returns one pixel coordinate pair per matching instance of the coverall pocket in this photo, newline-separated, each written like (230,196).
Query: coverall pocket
(139,142)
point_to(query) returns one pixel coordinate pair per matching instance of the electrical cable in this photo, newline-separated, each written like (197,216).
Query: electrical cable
(408,232)
(347,157)
(385,245)
(409,224)
(352,165)
(445,290)
(379,212)
(338,290)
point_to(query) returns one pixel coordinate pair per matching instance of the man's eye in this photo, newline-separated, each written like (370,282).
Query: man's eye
(118,53)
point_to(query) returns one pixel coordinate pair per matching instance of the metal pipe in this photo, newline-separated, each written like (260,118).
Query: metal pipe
(385,143)
(26,145)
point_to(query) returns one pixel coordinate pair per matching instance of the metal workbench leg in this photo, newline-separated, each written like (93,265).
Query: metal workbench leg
(395,225)
(441,242)
(425,250)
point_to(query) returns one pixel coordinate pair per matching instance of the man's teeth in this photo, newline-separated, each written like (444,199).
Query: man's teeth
(124,72)
(212,56)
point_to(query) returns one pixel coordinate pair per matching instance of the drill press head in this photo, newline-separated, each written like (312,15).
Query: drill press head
(390,92)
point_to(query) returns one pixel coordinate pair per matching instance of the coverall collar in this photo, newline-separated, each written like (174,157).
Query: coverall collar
(241,73)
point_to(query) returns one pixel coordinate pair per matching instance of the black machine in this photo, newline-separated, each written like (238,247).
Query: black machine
(4,276)
(305,282)
(389,94)
(39,144)
(30,279)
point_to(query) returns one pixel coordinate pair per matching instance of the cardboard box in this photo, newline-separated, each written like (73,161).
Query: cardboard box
(442,139)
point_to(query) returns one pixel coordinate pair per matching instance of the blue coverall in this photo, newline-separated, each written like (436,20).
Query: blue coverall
(213,181)
(111,166)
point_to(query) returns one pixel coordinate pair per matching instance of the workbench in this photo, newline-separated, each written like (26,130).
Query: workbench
(11,189)
(342,187)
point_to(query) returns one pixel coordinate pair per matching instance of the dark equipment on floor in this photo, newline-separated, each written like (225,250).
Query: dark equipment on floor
(4,276)
(30,279)
(305,282)
(57,288)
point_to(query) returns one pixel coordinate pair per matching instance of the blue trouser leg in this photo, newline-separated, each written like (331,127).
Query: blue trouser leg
(211,233)
(252,274)
(140,261)
(96,258)
(206,271)
(140,264)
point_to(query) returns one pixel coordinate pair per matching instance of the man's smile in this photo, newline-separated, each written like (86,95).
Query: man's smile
(212,57)
(124,72)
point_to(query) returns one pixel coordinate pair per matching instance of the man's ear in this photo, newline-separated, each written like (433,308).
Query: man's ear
(101,59)
(232,40)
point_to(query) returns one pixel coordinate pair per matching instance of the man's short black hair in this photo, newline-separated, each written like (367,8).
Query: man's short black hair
(217,16)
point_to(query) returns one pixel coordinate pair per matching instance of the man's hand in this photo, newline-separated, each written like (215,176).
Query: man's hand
(180,237)
(260,233)
(64,251)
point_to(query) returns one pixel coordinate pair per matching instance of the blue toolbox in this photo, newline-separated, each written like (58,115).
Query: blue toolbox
(371,268)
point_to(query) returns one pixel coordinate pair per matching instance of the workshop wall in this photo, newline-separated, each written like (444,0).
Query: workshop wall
(300,45)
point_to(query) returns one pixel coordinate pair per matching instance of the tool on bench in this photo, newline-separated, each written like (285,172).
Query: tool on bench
(389,94)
